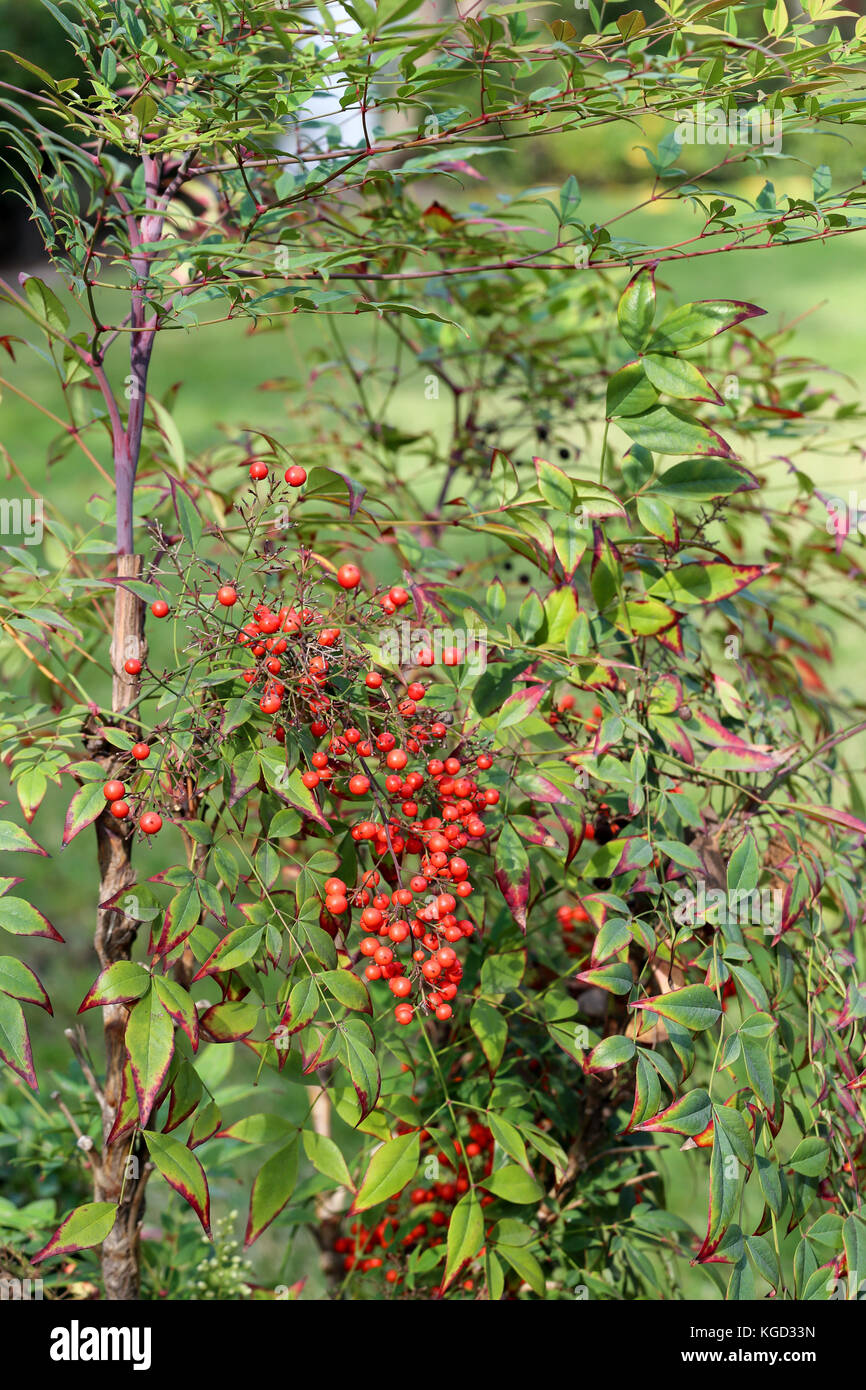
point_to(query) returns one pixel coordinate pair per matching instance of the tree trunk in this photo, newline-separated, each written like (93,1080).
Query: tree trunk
(121,1175)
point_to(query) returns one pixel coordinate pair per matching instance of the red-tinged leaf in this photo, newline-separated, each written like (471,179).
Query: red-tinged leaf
(82,1229)
(21,918)
(615,979)
(705,581)
(87,803)
(126,1117)
(695,1007)
(675,736)
(393,1165)
(150,1044)
(760,758)
(179,1004)
(687,325)
(205,1125)
(672,638)
(465,1235)
(347,989)
(182,1171)
(181,919)
(688,1116)
(647,1093)
(14,838)
(15,1048)
(726,1181)
(364,1071)
(512,872)
(186,1092)
(21,982)
(229,1021)
(303,1004)
(120,983)
(235,949)
(272,1188)
(828,815)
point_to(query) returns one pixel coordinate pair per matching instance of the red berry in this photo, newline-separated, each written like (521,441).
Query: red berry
(416,691)
(113,791)
(227,596)
(373,680)
(359,784)
(159,609)
(140,751)
(348,576)
(150,822)
(400,986)
(403,1013)
(269,704)
(120,809)
(398,596)
(396,759)
(132,667)
(296,476)
(258,471)
(443,1012)
(310,779)
(484,761)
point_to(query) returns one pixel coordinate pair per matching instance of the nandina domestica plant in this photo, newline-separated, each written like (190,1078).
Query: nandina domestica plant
(471,788)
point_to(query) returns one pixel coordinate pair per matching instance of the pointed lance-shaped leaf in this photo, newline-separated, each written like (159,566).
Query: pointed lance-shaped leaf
(120,983)
(14,838)
(273,1186)
(15,1048)
(22,983)
(87,803)
(695,1007)
(83,1228)
(392,1166)
(182,1171)
(150,1045)
(21,918)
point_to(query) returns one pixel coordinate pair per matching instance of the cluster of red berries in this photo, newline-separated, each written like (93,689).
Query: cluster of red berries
(294,476)
(441,880)
(426,1211)
(564,713)
(570,919)
(115,793)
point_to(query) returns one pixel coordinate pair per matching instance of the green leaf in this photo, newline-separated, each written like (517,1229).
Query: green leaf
(347,989)
(758,1069)
(15,1048)
(83,1228)
(665,431)
(326,1158)
(391,1167)
(150,1044)
(465,1235)
(524,1263)
(636,308)
(514,1184)
(15,838)
(700,479)
(676,376)
(21,982)
(46,304)
(21,918)
(658,517)
(704,582)
(119,983)
(491,1030)
(629,392)
(690,324)
(508,1138)
(810,1158)
(502,973)
(182,1171)
(87,803)
(614,1051)
(695,1007)
(555,486)
(273,1186)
